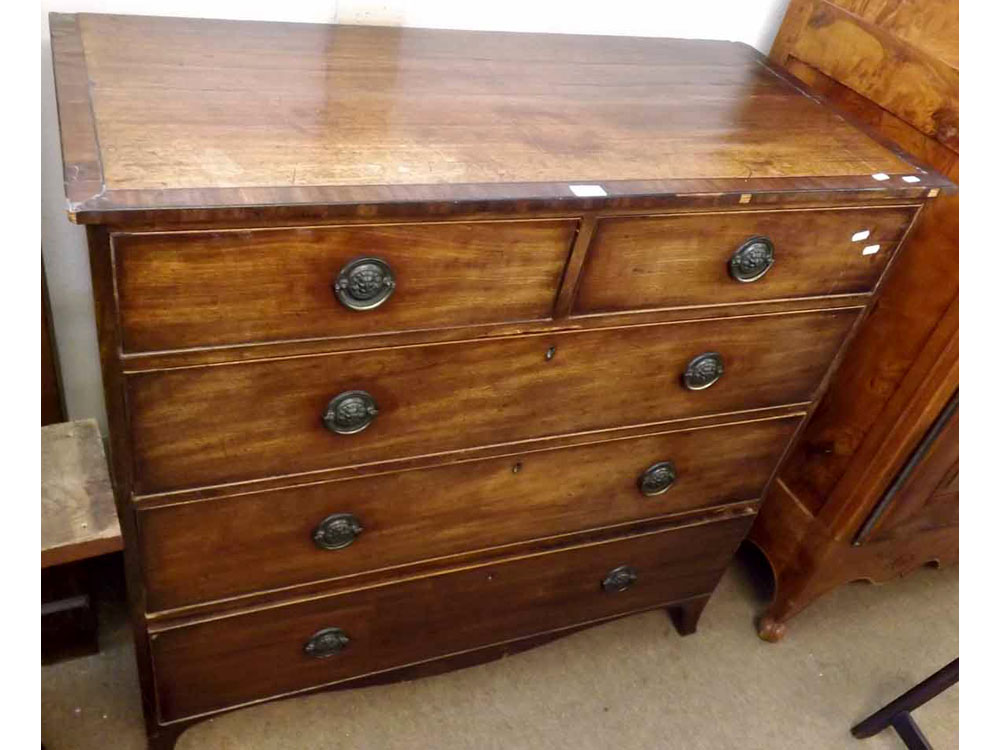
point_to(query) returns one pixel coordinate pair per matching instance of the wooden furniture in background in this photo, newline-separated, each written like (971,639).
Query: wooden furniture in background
(79,522)
(53,409)
(424,347)
(78,506)
(871,490)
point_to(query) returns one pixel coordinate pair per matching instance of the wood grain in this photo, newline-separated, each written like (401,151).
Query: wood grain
(212,355)
(917,296)
(870,56)
(207,114)
(453,396)
(927,150)
(902,368)
(637,263)
(216,288)
(247,657)
(244,543)
(930,25)
(78,507)
(502,450)
(929,497)
(240,158)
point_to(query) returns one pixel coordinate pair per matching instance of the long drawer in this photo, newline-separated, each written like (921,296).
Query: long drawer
(245,657)
(186,289)
(200,551)
(209,425)
(717,258)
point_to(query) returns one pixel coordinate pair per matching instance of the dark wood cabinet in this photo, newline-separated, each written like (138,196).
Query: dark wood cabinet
(423,347)
(871,489)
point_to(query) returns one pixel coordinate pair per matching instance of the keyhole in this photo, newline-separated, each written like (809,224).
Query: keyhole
(550,353)
(516,467)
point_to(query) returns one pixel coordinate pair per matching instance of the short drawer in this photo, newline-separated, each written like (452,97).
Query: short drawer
(214,549)
(719,258)
(201,426)
(182,290)
(234,659)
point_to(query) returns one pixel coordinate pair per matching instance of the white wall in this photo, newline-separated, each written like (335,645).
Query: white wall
(64,245)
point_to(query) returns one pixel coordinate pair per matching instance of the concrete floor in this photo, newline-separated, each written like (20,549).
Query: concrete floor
(629,684)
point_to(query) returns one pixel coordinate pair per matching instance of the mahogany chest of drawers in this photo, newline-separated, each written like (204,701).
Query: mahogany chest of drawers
(422,347)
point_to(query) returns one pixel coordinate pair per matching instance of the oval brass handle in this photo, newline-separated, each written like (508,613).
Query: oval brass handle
(752,260)
(703,371)
(364,284)
(619,579)
(350,412)
(658,478)
(337,531)
(326,642)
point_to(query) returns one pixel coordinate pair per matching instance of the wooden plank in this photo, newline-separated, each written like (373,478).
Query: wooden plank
(78,508)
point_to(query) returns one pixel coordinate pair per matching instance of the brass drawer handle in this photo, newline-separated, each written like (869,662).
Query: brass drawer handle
(658,478)
(703,371)
(619,579)
(364,284)
(326,642)
(337,531)
(350,412)
(752,260)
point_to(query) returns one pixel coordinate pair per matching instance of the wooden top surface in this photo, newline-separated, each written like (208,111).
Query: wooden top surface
(160,113)
(78,507)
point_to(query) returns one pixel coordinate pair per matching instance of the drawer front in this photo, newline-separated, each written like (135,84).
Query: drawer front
(207,425)
(680,261)
(179,290)
(232,660)
(201,551)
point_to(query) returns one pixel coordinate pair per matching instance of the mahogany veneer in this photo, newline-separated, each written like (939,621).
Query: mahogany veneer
(411,354)
(200,426)
(677,261)
(458,611)
(193,289)
(446,510)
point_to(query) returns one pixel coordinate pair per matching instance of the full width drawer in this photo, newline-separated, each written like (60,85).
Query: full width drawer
(235,659)
(180,290)
(719,258)
(196,552)
(208,425)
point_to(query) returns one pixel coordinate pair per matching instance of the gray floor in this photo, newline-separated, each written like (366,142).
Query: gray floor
(628,684)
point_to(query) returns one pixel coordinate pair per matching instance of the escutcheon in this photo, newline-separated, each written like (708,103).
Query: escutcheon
(703,371)
(658,478)
(337,531)
(752,260)
(364,284)
(350,412)
(326,642)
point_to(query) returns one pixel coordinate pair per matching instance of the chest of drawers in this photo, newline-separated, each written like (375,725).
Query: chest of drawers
(423,347)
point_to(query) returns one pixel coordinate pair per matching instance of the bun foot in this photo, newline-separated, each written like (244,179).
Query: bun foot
(687,614)
(770,630)
(164,738)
